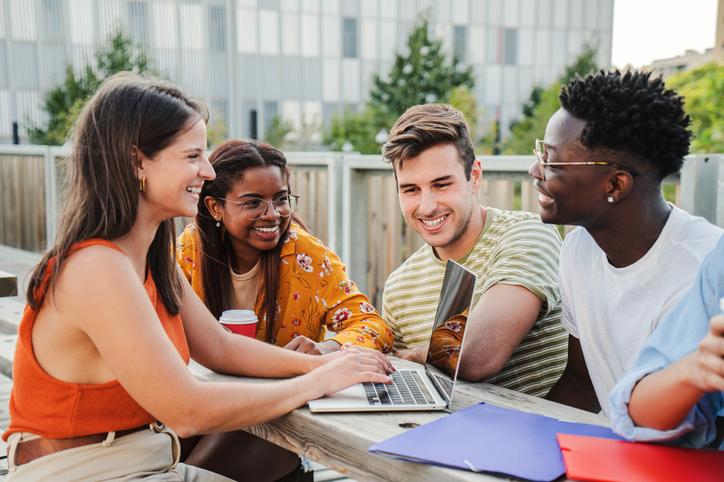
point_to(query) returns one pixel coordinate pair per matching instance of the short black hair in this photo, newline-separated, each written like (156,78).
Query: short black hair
(633,113)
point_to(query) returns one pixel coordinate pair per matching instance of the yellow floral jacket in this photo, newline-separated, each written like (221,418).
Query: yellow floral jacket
(314,292)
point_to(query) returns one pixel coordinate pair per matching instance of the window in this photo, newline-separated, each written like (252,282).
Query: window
(510,46)
(269,32)
(310,35)
(460,43)
(54,20)
(349,37)
(271,111)
(138,21)
(269,4)
(22,20)
(217,28)
(81,22)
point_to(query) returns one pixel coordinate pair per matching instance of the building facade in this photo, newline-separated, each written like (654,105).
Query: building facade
(301,60)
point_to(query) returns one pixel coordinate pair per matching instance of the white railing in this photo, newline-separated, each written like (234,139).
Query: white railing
(358,214)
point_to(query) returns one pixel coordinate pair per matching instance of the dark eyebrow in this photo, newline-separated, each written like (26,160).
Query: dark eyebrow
(441,179)
(434,181)
(259,196)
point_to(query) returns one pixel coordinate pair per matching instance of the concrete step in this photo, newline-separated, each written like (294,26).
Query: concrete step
(11,310)
(7,353)
(5,387)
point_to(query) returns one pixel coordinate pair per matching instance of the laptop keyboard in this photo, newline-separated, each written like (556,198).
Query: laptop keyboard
(407,388)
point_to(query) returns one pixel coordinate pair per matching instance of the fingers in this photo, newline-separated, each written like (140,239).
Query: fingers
(416,355)
(310,348)
(712,344)
(375,377)
(381,358)
(292,345)
(303,344)
(716,326)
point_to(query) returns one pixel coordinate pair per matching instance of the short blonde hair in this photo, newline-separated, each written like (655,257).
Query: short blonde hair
(427,125)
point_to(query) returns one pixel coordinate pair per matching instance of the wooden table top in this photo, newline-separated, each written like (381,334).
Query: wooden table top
(340,440)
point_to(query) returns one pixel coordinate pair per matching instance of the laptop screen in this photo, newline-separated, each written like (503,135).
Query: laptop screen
(446,340)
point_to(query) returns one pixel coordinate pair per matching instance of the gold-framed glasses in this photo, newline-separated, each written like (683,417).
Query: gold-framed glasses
(255,208)
(542,157)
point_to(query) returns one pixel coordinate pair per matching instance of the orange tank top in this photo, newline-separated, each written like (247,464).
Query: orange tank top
(52,408)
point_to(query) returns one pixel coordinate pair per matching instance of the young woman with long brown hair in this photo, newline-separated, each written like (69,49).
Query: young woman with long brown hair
(100,385)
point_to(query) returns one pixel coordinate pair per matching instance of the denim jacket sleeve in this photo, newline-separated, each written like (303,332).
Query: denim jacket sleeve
(677,335)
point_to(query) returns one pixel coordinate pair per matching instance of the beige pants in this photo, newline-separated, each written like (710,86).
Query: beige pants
(151,455)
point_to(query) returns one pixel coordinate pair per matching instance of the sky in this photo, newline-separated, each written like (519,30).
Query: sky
(645,30)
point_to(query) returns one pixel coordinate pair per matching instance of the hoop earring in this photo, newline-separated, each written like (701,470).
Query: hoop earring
(142,184)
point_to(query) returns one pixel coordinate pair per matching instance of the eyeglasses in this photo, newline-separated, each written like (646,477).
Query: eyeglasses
(542,156)
(253,209)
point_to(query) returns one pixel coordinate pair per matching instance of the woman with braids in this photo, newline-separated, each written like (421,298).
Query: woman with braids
(100,383)
(248,250)
(600,166)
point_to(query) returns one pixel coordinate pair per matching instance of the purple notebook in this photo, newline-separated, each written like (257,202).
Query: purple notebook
(486,438)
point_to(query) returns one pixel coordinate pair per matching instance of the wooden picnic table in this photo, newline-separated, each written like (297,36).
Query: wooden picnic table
(340,440)
(8,284)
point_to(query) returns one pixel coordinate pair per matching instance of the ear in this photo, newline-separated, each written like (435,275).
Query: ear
(620,186)
(476,175)
(214,207)
(138,159)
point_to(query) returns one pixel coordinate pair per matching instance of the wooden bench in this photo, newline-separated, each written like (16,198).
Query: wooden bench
(8,284)
(7,353)
(10,313)
(11,310)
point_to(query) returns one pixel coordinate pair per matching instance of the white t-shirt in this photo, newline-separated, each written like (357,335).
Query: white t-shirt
(612,311)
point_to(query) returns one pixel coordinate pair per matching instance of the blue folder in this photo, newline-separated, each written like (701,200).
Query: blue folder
(486,438)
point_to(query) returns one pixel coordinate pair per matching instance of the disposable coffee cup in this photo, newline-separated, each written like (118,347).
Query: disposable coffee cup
(241,322)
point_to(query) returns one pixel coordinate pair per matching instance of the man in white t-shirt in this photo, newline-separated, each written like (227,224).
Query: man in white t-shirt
(600,167)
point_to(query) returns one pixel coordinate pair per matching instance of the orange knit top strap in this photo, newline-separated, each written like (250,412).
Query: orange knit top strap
(46,406)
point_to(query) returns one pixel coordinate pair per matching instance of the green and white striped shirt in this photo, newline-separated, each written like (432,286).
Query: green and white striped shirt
(514,248)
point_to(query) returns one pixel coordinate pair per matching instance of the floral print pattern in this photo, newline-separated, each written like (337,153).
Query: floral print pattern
(315,296)
(339,317)
(305,262)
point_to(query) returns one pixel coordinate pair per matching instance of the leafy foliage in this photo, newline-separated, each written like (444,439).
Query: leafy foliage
(462,98)
(421,74)
(64,103)
(543,102)
(277,131)
(703,92)
(357,128)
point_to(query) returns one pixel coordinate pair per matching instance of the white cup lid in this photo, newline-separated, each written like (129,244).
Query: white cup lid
(238,316)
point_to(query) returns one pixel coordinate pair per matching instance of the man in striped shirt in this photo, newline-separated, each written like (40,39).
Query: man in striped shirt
(514,337)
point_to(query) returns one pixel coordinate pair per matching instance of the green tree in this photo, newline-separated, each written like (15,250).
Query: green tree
(462,98)
(543,102)
(421,74)
(64,103)
(357,128)
(216,130)
(277,131)
(703,92)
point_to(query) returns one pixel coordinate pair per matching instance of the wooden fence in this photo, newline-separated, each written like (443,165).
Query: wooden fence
(348,201)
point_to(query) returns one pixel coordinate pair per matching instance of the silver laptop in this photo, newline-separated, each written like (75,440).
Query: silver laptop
(426,387)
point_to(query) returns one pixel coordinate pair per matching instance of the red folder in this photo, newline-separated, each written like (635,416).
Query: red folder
(598,459)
